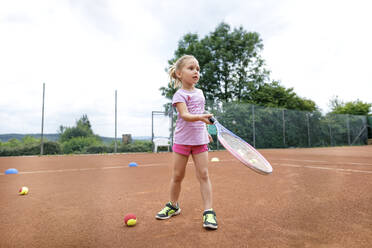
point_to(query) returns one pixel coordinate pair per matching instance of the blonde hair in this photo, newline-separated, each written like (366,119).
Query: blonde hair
(178,65)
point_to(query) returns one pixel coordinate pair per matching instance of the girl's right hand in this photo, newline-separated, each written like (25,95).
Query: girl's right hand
(205,118)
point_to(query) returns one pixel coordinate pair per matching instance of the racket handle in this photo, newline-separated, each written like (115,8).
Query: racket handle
(212,120)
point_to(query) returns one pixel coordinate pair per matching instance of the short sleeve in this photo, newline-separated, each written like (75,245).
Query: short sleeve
(178,97)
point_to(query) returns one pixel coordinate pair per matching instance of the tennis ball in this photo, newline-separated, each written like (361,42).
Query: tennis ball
(23,190)
(241,152)
(253,160)
(130,220)
(215,159)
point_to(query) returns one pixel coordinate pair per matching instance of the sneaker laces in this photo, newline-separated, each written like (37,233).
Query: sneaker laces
(210,218)
(164,210)
(167,208)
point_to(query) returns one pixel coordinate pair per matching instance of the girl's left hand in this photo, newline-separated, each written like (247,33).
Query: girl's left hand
(210,138)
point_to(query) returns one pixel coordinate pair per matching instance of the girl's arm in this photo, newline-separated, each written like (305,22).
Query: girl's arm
(184,113)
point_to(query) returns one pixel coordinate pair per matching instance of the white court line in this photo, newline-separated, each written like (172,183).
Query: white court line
(323,168)
(112,167)
(321,161)
(190,162)
(302,160)
(84,169)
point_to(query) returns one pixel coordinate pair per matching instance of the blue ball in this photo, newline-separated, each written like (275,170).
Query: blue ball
(11,171)
(133,164)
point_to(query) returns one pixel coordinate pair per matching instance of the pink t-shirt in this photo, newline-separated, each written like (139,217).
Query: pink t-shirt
(187,132)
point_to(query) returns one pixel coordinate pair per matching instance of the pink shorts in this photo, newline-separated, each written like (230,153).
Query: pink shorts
(188,149)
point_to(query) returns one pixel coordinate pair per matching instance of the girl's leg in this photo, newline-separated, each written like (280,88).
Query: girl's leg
(201,167)
(179,167)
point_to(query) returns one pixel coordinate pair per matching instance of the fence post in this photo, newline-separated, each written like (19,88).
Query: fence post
(116,122)
(42,124)
(283,127)
(308,130)
(152,127)
(253,126)
(348,129)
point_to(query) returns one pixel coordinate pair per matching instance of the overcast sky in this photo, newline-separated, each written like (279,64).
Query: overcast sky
(84,50)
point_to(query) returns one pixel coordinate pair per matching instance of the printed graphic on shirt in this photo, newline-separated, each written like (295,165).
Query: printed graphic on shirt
(195,103)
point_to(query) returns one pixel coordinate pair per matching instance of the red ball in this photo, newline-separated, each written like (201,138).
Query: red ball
(129,217)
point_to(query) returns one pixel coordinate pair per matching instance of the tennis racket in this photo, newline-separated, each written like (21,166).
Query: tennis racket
(241,150)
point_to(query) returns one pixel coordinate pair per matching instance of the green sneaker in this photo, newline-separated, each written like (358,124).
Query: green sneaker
(168,211)
(209,220)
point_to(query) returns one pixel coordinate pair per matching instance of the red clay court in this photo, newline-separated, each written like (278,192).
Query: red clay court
(316,197)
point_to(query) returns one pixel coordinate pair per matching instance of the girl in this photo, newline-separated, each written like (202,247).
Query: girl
(191,137)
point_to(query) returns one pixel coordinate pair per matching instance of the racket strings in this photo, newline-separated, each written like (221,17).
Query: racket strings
(245,152)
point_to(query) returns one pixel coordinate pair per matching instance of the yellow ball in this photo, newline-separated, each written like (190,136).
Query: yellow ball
(253,160)
(23,190)
(132,222)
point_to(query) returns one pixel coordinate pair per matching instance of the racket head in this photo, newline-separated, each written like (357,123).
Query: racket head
(243,151)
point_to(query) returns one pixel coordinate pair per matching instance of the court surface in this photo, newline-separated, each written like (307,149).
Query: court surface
(318,197)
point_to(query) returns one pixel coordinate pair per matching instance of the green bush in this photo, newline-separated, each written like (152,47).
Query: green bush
(136,146)
(19,151)
(79,144)
(96,149)
(8,151)
(51,148)
(12,143)
(30,141)
(33,149)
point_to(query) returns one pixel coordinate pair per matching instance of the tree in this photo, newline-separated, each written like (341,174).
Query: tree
(83,128)
(275,95)
(232,70)
(79,138)
(230,63)
(352,108)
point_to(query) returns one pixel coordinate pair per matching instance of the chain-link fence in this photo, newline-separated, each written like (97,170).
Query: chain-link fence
(369,121)
(265,127)
(262,127)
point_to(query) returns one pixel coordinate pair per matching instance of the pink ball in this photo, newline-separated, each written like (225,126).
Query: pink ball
(130,219)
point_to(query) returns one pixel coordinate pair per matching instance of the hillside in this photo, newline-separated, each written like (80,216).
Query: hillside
(55,136)
(8,136)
